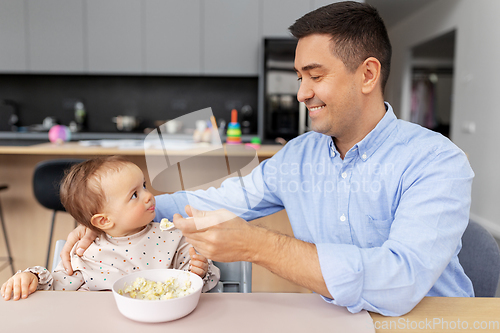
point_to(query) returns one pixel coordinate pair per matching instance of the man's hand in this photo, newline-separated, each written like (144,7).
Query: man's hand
(222,236)
(21,285)
(85,237)
(198,264)
(219,235)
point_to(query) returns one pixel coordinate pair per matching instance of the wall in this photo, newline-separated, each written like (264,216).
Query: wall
(476,87)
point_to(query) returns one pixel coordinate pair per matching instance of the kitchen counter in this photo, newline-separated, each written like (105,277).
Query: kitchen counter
(4,135)
(75,148)
(24,138)
(33,138)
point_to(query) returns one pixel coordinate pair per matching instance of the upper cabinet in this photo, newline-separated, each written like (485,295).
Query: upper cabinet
(55,34)
(13,36)
(231,37)
(157,37)
(114,36)
(320,3)
(172,36)
(278,15)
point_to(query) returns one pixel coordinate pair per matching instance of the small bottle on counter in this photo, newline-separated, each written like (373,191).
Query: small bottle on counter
(80,115)
(199,133)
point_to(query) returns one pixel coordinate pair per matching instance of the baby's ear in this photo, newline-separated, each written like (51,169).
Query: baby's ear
(101,221)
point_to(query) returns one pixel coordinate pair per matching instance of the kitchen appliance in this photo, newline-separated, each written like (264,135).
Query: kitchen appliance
(80,121)
(281,114)
(126,123)
(9,115)
(246,119)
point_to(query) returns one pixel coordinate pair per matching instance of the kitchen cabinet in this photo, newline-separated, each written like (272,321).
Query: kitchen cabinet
(320,3)
(114,36)
(12,36)
(231,38)
(278,15)
(173,37)
(164,37)
(55,30)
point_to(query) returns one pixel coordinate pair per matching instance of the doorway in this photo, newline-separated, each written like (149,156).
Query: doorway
(432,83)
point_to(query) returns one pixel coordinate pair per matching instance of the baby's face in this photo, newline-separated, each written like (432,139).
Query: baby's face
(129,204)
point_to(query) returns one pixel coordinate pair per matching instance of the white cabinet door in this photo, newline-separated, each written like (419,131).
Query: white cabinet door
(173,37)
(278,15)
(114,33)
(55,30)
(231,37)
(12,36)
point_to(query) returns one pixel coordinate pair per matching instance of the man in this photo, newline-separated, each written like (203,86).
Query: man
(377,205)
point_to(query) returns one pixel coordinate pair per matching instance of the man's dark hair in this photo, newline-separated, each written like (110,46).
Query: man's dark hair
(357,30)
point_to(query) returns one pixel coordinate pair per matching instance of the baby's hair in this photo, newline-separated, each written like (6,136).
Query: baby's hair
(81,192)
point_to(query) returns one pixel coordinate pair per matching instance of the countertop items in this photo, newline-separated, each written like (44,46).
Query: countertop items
(9,115)
(24,138)
(126,123)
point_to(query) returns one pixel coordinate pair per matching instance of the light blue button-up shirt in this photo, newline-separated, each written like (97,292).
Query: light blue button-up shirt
(387,219)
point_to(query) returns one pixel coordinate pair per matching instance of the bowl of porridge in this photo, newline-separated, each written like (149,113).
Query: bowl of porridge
(157,295)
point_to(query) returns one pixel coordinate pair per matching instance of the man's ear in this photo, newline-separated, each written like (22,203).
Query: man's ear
(101,222)
(371,68)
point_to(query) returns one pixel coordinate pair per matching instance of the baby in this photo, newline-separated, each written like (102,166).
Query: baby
(109,195)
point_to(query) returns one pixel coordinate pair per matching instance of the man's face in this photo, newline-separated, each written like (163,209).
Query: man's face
(329,90)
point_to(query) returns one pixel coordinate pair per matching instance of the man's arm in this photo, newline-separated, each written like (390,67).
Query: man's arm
(290,258)
(231,195)
(222,236)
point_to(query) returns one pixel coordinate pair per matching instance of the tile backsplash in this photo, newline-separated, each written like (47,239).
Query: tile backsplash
(150,98)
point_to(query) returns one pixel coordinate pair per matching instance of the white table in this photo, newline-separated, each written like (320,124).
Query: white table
(73,312)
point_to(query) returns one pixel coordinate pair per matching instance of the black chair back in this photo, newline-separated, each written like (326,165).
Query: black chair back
(46,182)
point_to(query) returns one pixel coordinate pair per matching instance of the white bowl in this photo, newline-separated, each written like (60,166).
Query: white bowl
(155,311)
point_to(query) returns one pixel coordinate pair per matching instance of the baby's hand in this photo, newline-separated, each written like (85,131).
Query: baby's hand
(199,264)
(22,284)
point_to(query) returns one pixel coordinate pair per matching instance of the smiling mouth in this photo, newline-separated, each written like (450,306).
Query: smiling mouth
(316,108)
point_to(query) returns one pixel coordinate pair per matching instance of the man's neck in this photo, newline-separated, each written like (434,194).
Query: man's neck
(370,119)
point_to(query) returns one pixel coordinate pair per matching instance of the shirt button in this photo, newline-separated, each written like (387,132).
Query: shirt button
(342,218)
(344,175)
(364,156)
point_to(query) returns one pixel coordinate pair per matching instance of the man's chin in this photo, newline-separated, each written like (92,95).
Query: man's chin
(319,129)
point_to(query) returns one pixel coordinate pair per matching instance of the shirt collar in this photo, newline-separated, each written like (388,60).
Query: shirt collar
(378,135)
(374,139)
(332,148)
